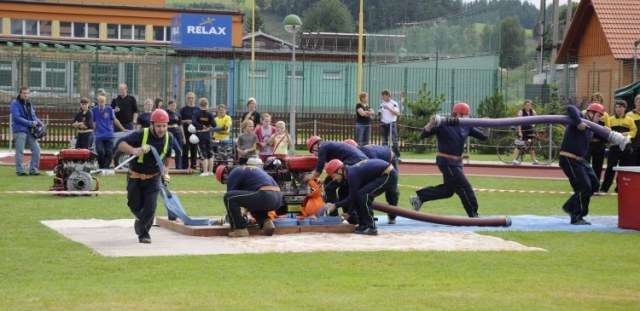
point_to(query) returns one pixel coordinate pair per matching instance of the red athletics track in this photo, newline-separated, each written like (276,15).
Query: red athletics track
(482,169)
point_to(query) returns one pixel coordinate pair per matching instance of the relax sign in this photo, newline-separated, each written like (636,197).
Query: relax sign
(201,31)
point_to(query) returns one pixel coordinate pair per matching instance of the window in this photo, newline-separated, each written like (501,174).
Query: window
(161,33)
(45,28)
(259,73)
(79,30)
(30,27)
(17,27)
(331,75)
(93,30)
(299,73)
(113,31)
(8,74)
(139,32)
(51,76)
(65,29)
(125,32)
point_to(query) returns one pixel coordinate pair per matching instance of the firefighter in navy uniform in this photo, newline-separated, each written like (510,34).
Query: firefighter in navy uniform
(575,144)
(253,189)
(382,152)
(449,161)
(367,179)
(143,179)
(327,151)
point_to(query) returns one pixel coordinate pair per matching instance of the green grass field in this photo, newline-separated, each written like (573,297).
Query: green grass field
(42,270)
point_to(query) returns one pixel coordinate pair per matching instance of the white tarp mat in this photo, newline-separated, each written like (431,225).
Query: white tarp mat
(116,238)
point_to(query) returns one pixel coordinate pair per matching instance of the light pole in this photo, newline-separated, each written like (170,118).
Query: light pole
(635,60)
(292,24)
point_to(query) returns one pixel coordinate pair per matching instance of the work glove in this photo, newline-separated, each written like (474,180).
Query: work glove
(145,148)
(166,178)
(321,212)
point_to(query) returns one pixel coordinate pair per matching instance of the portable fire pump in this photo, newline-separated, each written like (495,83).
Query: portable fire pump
(73,171)
(290,173)
(225,151)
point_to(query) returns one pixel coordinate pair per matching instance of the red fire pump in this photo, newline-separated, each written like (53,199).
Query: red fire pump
(73,171)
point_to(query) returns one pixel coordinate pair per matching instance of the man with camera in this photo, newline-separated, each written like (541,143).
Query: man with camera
(27,128)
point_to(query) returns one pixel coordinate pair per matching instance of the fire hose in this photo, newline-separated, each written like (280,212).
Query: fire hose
(498,221)
(611,136)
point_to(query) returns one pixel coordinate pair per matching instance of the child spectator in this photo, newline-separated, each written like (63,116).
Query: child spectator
(204,121)
(144,119)
(247,142)
(223,123)
(281,142)
(83,122)
(264,133)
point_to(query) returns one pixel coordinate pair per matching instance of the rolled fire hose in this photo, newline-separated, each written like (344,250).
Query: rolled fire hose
(612,136)
(499,221)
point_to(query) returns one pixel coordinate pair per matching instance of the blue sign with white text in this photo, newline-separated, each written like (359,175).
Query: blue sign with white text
(201,31)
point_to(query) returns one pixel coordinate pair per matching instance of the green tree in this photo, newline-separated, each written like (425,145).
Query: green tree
(260,25)
(513,44)
(493,106)
(422,109)
(328,16)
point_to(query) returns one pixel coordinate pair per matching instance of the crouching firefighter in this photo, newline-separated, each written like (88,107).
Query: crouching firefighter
(143,178)
(253,189)
(367,179)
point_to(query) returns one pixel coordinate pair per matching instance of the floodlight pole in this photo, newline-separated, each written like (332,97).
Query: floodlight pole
(292,24)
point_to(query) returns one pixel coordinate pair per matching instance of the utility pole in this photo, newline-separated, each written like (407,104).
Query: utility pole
(540,33)
(554,39)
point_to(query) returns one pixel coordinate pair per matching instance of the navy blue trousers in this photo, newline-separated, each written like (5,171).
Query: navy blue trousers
(584,182)
(455,182)
(259,203)
(142,199)
(386,183)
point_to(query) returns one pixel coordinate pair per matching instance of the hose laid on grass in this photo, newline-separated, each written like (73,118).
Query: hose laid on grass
(501,221)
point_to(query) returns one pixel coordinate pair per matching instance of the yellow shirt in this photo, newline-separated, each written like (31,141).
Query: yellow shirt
(220,122)
(636,119)
(283,147)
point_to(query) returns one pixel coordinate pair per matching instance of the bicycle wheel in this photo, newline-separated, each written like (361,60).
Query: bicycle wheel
(542,148)
(504,148)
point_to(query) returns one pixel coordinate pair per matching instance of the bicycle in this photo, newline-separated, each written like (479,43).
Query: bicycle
(540,144)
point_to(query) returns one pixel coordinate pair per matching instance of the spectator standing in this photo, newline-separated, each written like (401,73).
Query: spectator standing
(144,119)
(264,132)
(158,103)
(281,141)
(103,121)
(252,112)
(24,122)
(223,123)
(620,123)
(364,115)
(83,123)
(125,108)
(389,111)
(247,142)
(175,128)
(204,121)
(525,134)
(189,151)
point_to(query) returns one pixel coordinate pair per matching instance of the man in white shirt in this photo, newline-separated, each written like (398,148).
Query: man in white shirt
(389,111)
